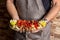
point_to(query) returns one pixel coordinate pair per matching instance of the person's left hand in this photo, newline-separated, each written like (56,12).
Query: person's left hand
(41,25)
(34,30)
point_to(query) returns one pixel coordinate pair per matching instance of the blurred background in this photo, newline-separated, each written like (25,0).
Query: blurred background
(7,34)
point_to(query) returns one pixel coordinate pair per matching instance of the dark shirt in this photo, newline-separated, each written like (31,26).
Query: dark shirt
(47,4)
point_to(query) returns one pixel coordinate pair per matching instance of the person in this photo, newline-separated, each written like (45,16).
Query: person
(33,10)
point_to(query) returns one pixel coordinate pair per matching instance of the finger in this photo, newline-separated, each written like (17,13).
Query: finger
(21,29)
(35,31)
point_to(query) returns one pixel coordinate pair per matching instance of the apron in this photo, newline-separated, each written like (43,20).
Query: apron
(32,10)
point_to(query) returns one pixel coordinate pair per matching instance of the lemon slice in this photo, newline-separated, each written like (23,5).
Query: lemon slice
(13,22)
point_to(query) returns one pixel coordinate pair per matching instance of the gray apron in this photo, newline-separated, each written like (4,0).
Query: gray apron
(32,10)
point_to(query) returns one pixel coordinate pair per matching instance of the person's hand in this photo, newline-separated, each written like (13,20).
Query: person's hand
(13,25)
(28,26)
(34,30)
(41,25)
(20,24)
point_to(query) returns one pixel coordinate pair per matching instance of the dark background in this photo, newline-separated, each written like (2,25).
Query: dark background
(5,32)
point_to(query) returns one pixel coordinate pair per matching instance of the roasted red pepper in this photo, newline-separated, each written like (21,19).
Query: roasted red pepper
(27,24)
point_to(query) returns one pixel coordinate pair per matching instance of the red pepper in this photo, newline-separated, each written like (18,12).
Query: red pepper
(19,23)
(27,24)
(35,24)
